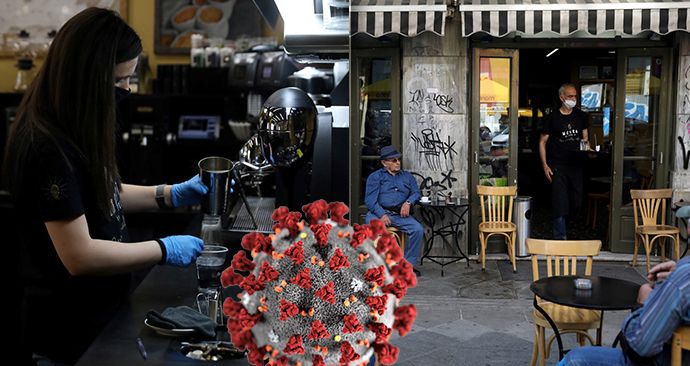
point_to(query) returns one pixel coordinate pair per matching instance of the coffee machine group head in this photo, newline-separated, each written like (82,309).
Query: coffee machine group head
(287,125)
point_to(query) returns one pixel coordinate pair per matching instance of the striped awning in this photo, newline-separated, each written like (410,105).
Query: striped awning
(405,17)
(566,17)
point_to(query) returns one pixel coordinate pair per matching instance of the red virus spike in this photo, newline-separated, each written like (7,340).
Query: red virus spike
(251,284)
(351,324)
(338,211)
(302,279)
(397,288)
(338,261)
(377,303)
(377,228)
(317,360)
(347,353)
(318,331)
(375,275)
(240,262)
(296,252)
(255,355)
(256,242)
(386,353)
(229,277)
(394,254)
(361,233)
(231,307)
(385,242)
(315,211)
(381,330)
(404,271)
(321,233)
(326,293)
(294,346)
(268,273)
(287,310)
(404,317)
(280,213)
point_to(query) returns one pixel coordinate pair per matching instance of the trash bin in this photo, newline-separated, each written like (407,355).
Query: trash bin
(522,215)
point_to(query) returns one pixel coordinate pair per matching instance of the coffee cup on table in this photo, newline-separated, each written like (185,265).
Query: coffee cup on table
(425,199)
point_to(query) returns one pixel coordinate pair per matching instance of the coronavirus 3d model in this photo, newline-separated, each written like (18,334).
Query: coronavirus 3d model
(319,292)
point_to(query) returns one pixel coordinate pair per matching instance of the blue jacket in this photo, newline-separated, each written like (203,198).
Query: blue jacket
(387,190)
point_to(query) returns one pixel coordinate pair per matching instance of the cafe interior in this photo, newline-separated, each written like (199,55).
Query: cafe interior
(254,96)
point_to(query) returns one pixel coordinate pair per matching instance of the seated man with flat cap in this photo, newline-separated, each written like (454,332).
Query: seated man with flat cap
(391,192)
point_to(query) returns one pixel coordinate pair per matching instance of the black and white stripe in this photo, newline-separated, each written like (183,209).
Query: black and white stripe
(530,17)
(405,17)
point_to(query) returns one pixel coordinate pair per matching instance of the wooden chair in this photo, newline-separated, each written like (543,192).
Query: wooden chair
(497,216)
(567,319)
(399,236)
(647,205)
(680,342)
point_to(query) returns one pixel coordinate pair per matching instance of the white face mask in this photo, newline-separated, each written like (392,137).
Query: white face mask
(570,103)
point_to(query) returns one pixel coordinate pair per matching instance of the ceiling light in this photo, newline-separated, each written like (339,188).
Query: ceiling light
(552,52)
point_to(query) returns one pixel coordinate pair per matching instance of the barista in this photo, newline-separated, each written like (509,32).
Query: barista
(75,265)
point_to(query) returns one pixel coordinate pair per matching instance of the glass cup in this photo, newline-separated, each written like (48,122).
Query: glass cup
(209,266)
(584,145)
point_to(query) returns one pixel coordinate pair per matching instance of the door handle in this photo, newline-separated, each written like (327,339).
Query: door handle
(661,158)
(476,157)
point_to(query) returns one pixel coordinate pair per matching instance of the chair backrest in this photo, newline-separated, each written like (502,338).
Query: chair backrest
(562,251)
(648,203)
(680,342)
(496,203)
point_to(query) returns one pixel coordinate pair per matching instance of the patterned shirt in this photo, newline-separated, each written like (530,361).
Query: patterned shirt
(667,307)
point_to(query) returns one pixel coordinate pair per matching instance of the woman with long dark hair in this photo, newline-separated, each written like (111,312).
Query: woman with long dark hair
(64,181)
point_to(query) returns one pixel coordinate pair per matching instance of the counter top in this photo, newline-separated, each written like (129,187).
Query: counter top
(163,287)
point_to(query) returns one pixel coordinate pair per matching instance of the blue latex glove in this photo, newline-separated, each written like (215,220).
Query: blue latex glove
(182,250)
(188,193)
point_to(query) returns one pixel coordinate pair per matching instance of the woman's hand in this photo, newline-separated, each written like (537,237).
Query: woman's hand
(182,250)
(188,193)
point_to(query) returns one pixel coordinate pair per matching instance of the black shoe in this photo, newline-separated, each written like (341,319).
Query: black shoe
(416,272)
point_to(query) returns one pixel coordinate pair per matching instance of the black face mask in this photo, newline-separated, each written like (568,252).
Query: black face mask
(121,94)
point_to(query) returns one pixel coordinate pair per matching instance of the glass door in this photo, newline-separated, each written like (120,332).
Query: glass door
(494,122)
(642,123)
(375,117)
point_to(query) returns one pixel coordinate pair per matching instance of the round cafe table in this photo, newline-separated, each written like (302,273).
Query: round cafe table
(606,294)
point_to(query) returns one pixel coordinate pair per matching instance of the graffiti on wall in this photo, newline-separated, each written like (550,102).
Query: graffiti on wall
(684,142)
(431,88)
(683,138)
(434,152)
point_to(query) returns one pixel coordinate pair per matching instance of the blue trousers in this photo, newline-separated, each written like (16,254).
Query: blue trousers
(594,356)
(559,229)
(414,231)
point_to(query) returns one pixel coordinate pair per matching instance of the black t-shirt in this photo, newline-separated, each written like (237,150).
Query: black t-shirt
(565,133)
(62,313)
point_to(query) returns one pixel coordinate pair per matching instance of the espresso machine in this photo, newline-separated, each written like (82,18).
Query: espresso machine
(292,142)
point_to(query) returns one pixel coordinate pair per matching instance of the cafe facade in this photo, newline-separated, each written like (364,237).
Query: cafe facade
(462,88)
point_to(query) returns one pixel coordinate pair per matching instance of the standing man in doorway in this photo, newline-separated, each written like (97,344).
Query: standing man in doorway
(390,194)
(559,150)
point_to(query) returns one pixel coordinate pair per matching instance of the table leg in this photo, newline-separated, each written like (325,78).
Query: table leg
(561,353)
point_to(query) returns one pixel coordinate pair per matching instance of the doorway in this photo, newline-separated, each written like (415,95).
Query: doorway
(625,94)
(542,72)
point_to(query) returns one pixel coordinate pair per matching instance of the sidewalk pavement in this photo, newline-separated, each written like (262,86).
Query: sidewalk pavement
(470,317)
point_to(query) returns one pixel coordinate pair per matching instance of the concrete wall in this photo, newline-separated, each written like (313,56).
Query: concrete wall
(680,175)
(435,117)
(434,109)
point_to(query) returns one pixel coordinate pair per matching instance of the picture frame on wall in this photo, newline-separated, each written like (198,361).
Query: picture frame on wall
(589,72)
(41,17)
(227,20)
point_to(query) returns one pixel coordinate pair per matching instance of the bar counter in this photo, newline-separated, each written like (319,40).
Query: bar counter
(163,287)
